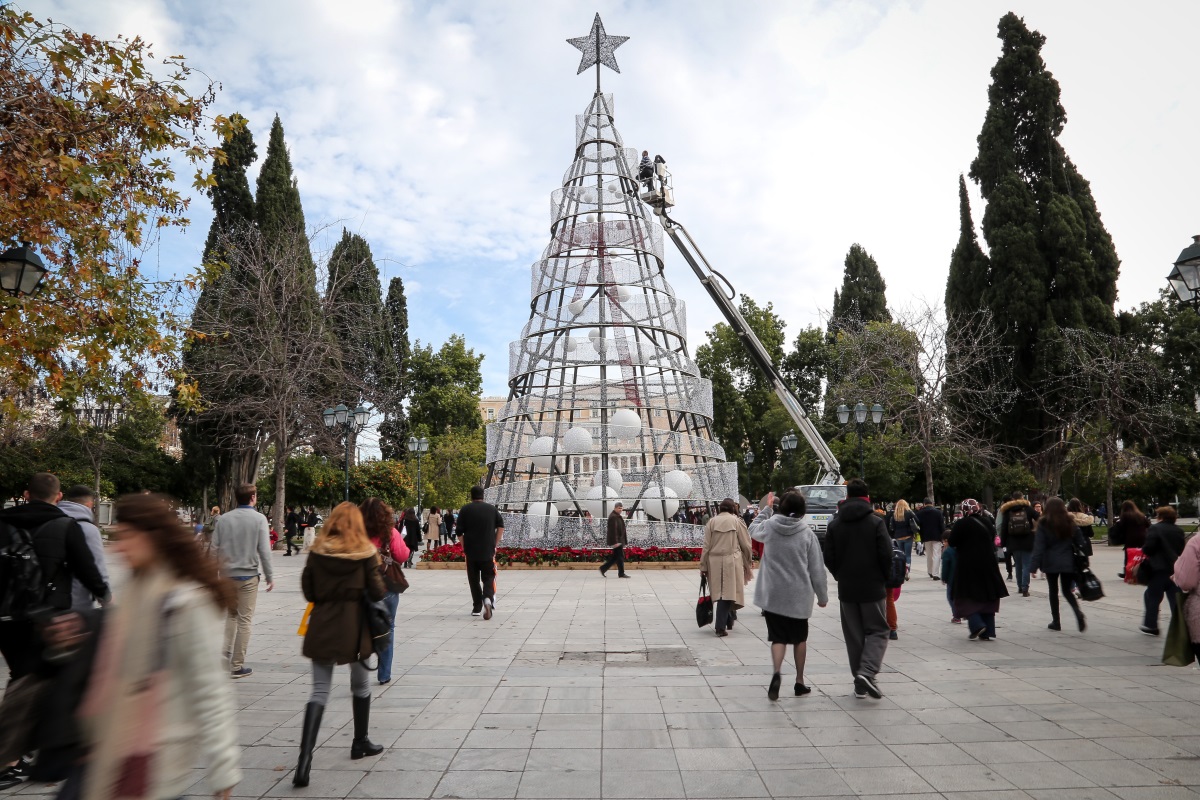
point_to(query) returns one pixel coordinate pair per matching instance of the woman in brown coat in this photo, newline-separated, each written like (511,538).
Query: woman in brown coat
(342,565)
(726,561)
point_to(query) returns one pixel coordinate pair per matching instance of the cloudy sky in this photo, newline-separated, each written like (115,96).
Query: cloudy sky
(793,129)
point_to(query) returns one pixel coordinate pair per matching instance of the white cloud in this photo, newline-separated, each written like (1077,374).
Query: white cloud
(438,131)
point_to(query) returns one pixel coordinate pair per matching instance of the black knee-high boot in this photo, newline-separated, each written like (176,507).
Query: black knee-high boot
(308,740)
(362,746)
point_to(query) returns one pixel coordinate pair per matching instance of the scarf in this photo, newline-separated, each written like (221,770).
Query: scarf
(121,711)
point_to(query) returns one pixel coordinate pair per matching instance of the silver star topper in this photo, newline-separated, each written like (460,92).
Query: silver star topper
(597,47)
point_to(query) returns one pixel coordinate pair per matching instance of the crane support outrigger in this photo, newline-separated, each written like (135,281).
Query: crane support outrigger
(658,196)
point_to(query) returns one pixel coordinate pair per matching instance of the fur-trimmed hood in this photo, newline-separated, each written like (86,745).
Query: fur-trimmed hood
(336,547)
(1082,519)
(1014,503)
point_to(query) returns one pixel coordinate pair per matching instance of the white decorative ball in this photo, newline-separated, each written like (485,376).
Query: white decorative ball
(576,307)
(562,496)
(661,504)
(590,218)
(678,481)
(572,344)
(542,509)
(610,478)
(540,449)
(577,440)
(600,500)
(624,423)
(623,293)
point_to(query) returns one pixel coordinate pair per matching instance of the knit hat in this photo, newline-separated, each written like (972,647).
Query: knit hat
(970,507)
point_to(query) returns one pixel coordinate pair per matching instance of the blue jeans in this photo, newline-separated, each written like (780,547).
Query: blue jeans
(1021,559)
(907,547)
(982,623)
(950,600)
(391,600)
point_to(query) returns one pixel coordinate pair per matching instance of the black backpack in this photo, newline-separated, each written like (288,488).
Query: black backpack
(899,569)
(22,584)
(1018,521)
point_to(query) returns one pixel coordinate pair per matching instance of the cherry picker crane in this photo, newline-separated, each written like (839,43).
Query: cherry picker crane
(825,490)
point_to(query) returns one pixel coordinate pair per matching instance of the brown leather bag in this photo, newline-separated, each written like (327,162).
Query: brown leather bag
(389,568)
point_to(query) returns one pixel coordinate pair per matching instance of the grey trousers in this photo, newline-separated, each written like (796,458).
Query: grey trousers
(865,627)
(360,681)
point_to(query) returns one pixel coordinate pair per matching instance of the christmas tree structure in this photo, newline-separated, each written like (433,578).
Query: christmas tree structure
(605,405)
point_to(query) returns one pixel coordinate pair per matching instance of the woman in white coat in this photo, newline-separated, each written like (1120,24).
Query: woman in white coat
(725,559)
(791,575)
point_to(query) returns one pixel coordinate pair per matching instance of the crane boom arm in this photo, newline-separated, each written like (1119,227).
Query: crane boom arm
(831,470)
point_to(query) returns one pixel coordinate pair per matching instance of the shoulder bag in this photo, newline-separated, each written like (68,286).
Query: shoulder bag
(379,624)
(704,606)
(389,568)
(1089,585)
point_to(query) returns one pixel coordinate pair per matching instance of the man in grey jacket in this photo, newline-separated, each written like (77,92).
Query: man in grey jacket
(242,541)
(79,503)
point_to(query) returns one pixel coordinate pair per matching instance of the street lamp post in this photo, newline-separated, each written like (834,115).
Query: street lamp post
(21,271)
(420,447)
(1185,277)
(349,422)
(748,460)
(788,443)
(860,417)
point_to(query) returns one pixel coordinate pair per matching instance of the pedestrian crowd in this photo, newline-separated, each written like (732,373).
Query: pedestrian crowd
(116,698)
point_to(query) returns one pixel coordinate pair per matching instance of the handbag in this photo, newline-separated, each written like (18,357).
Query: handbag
(1089,585)
(378,621)
(303,629)
(704,606)
(389,568)
(1134,558)
(1177,648)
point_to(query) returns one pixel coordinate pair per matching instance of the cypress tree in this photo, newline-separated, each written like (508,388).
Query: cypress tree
(862,298)
(393,432)
(358,319)
(1052,263)
(969,275)
(277,208)
(205,457)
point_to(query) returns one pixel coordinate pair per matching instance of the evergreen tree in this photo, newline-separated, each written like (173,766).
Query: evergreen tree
(393,431)
(862,298)
(277,208)
(209,458)
(1052,263)
(969,275)
(359,320)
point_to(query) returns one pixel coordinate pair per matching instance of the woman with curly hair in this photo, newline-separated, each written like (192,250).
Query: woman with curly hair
(342,565)
(158,691)
(378,518)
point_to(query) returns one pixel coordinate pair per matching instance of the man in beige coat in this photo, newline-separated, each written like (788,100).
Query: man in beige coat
(726,562)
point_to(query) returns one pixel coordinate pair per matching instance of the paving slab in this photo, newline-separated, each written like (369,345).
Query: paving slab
(585,688)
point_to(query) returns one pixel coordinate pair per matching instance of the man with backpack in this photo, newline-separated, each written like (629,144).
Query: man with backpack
(858,551)
(42,551)
(1016,527)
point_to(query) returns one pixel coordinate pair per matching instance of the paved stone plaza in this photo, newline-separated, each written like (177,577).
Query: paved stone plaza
(586,687)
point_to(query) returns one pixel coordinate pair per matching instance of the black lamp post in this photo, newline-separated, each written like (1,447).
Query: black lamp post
(748,460)
(860,417)
(21,271)
(349,422)
(1185,277)
(420,447)
(788,443)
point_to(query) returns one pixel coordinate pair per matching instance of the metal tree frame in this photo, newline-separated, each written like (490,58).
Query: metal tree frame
(602,273)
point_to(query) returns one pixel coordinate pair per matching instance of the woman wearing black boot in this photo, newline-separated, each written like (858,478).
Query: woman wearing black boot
(1055,543)
(342,564)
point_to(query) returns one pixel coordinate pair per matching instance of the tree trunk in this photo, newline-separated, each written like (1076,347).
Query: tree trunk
(1109,469)
(929,475)
(280,483)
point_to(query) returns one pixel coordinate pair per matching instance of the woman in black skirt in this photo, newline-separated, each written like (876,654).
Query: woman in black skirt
(791,576)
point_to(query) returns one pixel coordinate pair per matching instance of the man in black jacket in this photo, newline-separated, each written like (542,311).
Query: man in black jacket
(617,539)
(63,555)
(858,551)
(480,527)
(933,530)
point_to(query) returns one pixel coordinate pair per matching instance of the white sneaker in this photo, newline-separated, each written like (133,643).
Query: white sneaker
(487,608)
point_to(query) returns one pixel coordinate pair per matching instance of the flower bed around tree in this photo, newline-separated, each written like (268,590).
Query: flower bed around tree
(553,556)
